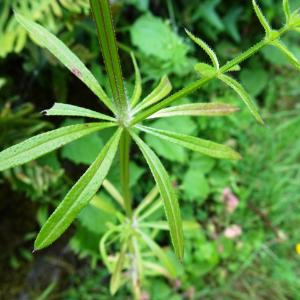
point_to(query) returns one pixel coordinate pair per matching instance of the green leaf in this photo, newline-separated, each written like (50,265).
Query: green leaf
(85,150)
(162,90)
(113,192)
(195,186)
(238,88)
(115,281)
(254,80)
(206,48)
(151,196)
(159,253)
(290,56)
(263,21)
(62,109)
(184,125)
(196,109)
(46,142)
(79,196)
(103,204)
(137,92)
(193,143)
(142,5)
(158,204)
(235,68)
(65,55)
(106,36)
(155,38)
(286,9)
(94,218)
(205,70)
(168,195)
(231,22)
(162,225)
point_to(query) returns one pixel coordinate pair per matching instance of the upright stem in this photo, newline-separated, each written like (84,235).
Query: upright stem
(106,36)
(124,166)
(107,39)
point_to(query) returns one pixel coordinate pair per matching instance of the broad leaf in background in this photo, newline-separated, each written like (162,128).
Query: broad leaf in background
(184,125)
(195,185)
(46,142)
(160,45)
(79,196)
(167,193)
(255,80)
(85,150)
(64,55)
(231,22)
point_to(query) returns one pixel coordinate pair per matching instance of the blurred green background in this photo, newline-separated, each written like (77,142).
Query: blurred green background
(248,211)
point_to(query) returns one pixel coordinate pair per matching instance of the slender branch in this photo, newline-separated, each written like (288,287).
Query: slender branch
(201,82)
(107,39)
(124,166)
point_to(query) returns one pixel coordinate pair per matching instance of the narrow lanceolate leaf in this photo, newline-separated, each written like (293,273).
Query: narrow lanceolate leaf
(62,109)
(290,56)
(79,196)
(168,195)
(64,55)
(115,280)
(161,91)
(46,142)
(106,36)
(238,88)
(137,92)
(112,190)
(196,109)
(263,21)
(147,200)
(159,253)
(193,143)
(286,9)
(206,48)
(105,240)
(162,225)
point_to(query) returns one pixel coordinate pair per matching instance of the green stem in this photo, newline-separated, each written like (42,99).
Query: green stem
(108,43)
(201,82)
(124,166)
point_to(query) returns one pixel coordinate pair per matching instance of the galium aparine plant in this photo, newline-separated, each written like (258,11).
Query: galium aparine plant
(129,118)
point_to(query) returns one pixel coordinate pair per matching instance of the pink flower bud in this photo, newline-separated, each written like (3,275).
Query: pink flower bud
(230,200)
(233,232)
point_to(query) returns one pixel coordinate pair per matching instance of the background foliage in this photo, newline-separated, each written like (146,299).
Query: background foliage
(248,210)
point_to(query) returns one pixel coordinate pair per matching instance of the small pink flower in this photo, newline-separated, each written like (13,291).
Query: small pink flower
(233,232)
(230,200)
(176,284)
(145,296)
